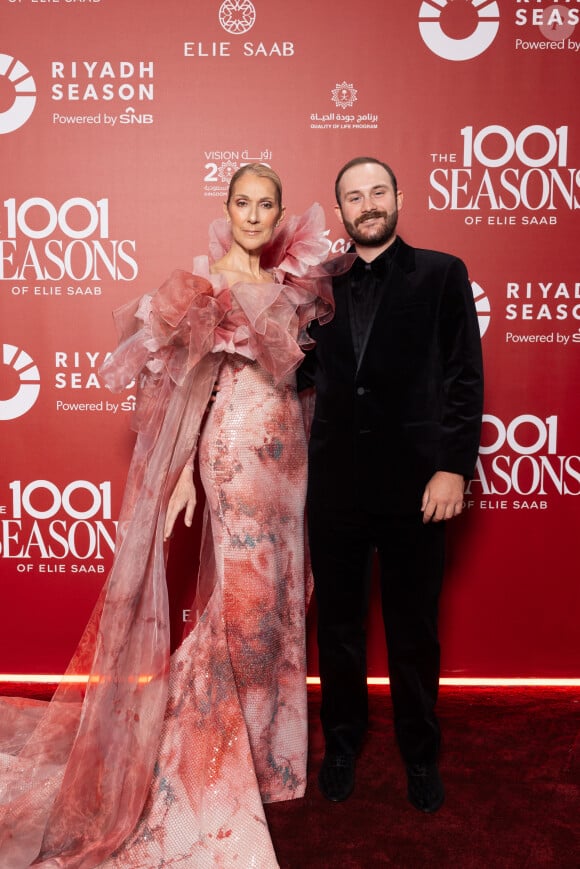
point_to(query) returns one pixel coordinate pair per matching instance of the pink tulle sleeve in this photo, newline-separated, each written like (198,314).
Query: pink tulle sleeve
(305,268)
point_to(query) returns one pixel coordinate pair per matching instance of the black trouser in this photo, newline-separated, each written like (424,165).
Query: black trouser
(411,557)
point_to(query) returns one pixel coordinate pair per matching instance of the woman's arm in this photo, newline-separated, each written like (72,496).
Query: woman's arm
(183,496)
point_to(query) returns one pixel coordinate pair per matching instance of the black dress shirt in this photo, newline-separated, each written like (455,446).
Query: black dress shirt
(368,283)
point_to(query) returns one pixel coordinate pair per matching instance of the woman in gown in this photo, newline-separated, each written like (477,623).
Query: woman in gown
(166,761)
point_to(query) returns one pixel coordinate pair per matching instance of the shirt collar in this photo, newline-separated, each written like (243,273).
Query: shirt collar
(379,265)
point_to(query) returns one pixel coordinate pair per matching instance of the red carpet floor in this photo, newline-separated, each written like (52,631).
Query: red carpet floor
(512,775)
(511,768)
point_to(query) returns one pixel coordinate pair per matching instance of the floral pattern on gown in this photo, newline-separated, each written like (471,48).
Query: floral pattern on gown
(165,761)
(252,456)
(237,685)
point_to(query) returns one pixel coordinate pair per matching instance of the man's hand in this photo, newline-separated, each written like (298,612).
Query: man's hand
(443,497)
(182,496)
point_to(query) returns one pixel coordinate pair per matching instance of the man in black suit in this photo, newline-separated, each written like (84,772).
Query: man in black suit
(399,391)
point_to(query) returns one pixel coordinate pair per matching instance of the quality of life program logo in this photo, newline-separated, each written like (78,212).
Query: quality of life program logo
(17,94)
(344,95)
(21,379)
(456,30)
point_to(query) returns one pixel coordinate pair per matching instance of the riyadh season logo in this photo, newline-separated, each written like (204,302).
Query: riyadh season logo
(554,25)
(22,377)
(220,166)
(237,16)
(102,81)
(79,85)
(543,302)
(17,80)
(482,307)
(76,371)
(555,22)
(50,523)
(498,171)
(75,380)
(519,464)
(460,29)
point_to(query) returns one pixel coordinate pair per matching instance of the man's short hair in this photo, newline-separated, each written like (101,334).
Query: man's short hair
(359,161)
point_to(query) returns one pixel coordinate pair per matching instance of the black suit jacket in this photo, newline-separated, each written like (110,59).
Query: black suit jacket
(412,404)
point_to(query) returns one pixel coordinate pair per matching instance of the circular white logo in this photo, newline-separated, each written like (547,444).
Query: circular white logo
(556,24)
(28,375)
(24,88)
(237,16)
(344,95)
(227,169)
(485,27)
(482,307)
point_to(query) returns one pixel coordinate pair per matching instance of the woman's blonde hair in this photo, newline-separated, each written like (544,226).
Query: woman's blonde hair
(261,171)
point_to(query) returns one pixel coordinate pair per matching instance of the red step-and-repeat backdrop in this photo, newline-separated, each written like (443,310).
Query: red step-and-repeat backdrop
(121,122)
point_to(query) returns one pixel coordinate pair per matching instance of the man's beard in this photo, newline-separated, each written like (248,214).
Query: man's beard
(379,235)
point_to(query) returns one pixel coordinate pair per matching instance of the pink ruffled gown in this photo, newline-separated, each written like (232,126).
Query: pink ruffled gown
(165,761)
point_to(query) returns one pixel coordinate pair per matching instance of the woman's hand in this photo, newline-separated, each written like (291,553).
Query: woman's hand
(183,496)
